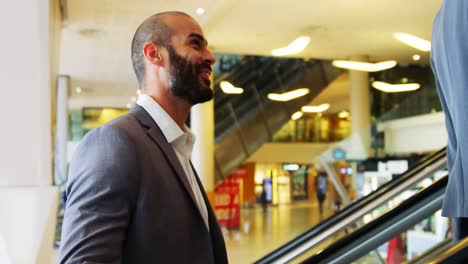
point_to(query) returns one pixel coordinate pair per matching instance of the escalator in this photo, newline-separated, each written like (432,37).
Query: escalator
(367,238)
(343,237)
(245,122)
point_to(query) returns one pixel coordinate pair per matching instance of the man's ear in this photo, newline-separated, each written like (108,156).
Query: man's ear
(152,53)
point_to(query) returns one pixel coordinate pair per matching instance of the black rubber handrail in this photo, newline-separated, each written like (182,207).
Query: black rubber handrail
(350,209)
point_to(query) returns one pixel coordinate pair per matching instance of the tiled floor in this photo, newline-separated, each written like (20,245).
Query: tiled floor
(261,232)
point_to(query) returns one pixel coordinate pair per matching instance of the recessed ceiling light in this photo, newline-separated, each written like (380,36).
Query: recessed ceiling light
(200,11)
(395,88)
(297,115)
(288,95)
(294,47)
(315,109)
(364,66)
(413,41)
(416,57)
(78,90)
(228,88)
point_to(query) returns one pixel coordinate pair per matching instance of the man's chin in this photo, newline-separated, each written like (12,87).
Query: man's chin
(205,96)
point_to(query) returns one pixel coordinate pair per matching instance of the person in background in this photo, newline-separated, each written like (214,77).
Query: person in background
(133,194)
(321,190)
(263,198)
(449,61)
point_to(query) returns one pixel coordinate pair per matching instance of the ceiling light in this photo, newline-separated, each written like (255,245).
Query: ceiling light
(416,57)
(413,41)
(78,90)
(200,11)
(395,88)
(228,88)
(288,95)
(343,114)
(364,66)
(297,115)
(315,109)
(296,46)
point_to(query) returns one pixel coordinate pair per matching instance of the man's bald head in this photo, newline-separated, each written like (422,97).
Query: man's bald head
(154,30)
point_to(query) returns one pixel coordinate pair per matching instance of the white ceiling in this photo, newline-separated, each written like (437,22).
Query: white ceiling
(97,34)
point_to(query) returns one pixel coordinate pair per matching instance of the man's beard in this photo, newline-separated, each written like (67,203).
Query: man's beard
(185,80)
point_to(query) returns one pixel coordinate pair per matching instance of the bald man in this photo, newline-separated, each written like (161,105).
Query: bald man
(133,194)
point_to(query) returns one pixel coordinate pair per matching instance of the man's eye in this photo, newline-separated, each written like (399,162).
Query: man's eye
(197,43)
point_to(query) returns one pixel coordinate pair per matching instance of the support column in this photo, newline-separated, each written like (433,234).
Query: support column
(61,131)
(25,155)
(202,125)
(360,111)
(29,59)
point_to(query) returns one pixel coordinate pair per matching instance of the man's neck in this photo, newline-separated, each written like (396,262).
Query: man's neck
(177,108)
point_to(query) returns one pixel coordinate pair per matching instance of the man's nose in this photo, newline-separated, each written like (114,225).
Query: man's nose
(209,57)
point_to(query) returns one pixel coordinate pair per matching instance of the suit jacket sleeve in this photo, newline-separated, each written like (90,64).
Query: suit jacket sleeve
(101,192)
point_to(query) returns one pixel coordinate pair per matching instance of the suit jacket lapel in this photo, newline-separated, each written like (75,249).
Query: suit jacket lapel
(158,137)
(219,247)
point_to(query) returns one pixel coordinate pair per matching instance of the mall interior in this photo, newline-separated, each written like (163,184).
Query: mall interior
(325,141)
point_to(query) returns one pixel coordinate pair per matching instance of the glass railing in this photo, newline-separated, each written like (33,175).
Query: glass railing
(389,106)
(258,76)
(314,128)
(327,128)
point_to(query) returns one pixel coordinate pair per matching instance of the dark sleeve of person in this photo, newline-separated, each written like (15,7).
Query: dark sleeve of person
(101,191)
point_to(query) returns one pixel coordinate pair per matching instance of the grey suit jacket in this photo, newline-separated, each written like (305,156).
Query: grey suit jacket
(449,61)
(129,200)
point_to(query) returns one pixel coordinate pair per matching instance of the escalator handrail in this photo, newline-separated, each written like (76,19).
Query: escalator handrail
(355,210)
(458,253)
(352,246)
(432,252)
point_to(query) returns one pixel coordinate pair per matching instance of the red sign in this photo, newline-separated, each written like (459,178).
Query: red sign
(227,206)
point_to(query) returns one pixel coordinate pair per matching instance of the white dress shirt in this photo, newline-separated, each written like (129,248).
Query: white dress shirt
(181,141)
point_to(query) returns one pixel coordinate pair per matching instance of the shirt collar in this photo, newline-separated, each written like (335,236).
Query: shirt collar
(184,144)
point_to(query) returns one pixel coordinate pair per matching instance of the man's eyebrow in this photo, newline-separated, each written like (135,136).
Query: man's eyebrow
(198,36)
